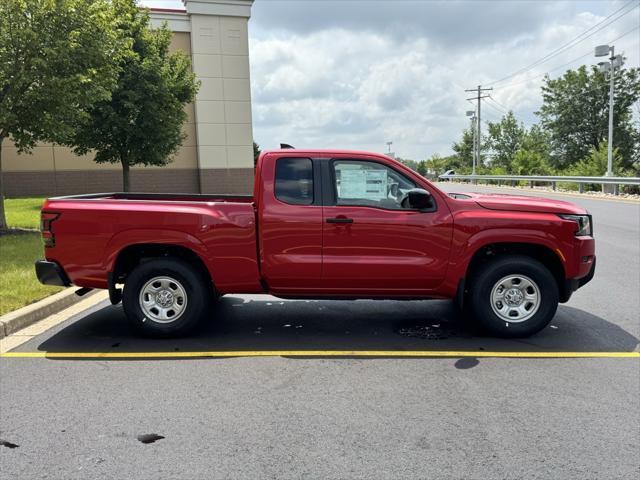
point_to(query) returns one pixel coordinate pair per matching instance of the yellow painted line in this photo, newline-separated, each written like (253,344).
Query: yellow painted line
(320,353)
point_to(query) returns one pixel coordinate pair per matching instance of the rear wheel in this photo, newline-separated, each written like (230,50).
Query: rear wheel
(165,297)
(513,296)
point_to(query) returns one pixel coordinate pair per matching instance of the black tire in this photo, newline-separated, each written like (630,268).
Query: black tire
(194,289)
(479,301)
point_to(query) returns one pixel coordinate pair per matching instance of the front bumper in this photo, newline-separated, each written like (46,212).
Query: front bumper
(50,273)
(573,284)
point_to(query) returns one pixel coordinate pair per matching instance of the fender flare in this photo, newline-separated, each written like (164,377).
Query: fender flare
(132,237)
(482,239)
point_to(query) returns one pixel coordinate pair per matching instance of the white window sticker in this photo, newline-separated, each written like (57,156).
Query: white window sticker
(364,184)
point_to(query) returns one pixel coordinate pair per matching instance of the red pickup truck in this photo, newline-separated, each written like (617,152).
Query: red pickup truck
(322,224)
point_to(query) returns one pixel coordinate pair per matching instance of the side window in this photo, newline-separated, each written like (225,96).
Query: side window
(369,184)
(294,181)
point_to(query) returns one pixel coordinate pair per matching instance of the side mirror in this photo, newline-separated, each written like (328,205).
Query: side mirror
(419,199)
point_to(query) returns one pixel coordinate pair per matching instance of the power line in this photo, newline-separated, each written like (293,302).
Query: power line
(540,77)
(578,39)
(492,114)
(573,42)
(502,107)
(587,54)
(495,109)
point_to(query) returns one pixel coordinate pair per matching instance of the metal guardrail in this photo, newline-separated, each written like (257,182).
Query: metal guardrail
(581,181)
(548,179)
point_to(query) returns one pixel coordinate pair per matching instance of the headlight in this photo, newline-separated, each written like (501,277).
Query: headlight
(584,227)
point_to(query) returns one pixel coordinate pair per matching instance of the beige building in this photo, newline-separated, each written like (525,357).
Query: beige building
(217,155)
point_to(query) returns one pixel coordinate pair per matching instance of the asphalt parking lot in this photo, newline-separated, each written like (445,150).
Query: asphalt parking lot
(322,416)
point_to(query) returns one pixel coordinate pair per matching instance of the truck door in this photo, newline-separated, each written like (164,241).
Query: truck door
(371,243)
(290,225)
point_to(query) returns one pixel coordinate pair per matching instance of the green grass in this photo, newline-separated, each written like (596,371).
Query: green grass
(23,212)
(18,283)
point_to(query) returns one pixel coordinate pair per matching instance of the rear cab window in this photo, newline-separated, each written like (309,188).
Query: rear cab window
(294,181)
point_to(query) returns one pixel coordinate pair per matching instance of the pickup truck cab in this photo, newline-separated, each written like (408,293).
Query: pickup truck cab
(321,224)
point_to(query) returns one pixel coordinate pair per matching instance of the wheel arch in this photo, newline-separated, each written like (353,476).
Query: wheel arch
(541,253)
(129,257)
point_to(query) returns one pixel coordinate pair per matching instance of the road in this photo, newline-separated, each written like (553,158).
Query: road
(292,417)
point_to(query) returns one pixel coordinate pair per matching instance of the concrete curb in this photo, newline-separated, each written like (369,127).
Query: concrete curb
(25,316)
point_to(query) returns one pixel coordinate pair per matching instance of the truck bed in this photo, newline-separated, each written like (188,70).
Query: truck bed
(92,231)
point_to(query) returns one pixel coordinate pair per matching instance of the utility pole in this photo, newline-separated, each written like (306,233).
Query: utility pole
(479,98)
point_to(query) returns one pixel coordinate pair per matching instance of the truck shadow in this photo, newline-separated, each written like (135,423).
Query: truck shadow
(261,323)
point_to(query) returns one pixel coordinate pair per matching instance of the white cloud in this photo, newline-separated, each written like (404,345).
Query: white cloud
(357,74)
(349,89)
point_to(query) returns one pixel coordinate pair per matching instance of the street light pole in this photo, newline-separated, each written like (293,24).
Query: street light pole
(478,134)
(610,67)
(612,74)
(474,129)
(474,136)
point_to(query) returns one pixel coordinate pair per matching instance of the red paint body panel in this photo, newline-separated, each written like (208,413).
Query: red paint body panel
(393,251)
(91,233)
(523,203)
(387,252)
(259,244)
(290,237)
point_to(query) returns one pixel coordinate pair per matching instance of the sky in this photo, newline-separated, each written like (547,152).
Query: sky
(359,74)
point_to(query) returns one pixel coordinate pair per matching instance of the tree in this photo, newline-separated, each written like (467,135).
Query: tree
(516,149)
(505,138)
(536,139)
(141,124)
(57,57)
(595,163)
(435,165)
(575,111)
(422,168)
(412,164)
(527,162)
(464,150)
(256,153)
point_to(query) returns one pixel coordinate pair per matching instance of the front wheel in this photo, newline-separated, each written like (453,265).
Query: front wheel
(165,297)
(514,296)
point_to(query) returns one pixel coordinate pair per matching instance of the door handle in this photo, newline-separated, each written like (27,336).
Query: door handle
(340,220)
